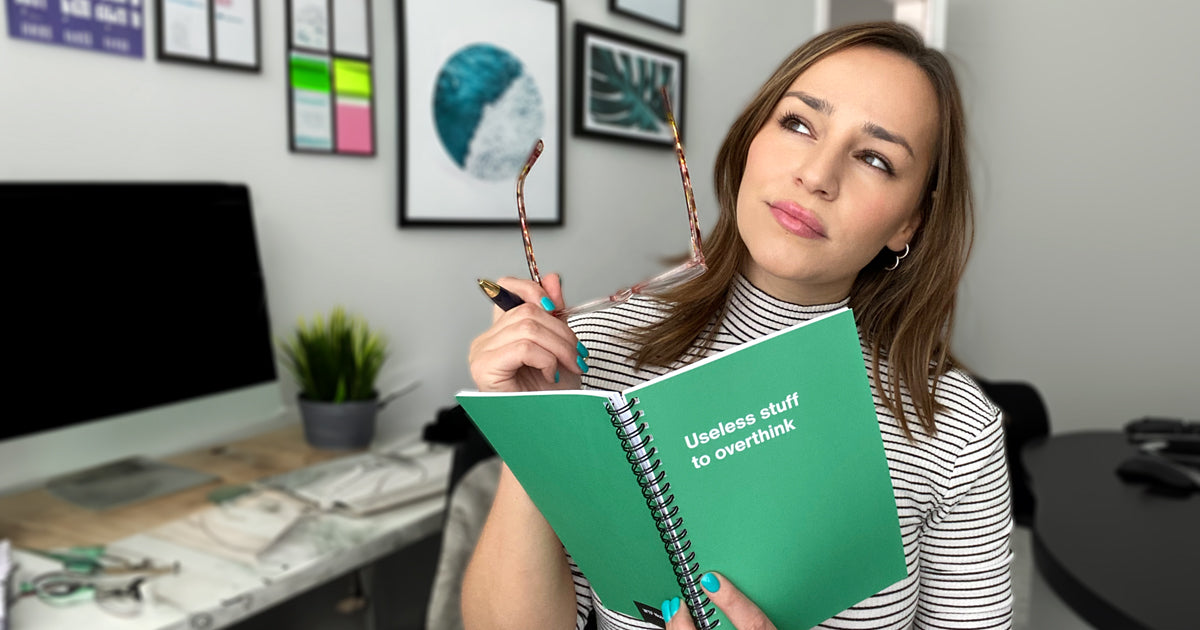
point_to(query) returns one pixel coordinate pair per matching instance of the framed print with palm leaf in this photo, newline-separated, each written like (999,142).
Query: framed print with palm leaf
(617,81)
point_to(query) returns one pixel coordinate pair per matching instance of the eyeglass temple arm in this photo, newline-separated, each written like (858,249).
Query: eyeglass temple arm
(689,197)
(533,156)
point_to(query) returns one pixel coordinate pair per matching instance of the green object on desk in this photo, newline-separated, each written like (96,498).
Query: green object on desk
(88,560)
(58,595)
(228,493)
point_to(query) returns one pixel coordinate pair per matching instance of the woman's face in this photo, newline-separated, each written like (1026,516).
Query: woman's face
(836,174)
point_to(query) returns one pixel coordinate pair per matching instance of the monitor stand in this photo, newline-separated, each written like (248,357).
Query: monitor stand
(123,482)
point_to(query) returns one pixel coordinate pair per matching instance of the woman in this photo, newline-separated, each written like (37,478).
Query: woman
(844,182)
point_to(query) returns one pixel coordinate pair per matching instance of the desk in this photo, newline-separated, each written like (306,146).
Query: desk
(209,591)
(1121,557)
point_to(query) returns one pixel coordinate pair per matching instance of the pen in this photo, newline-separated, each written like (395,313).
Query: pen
(502,297)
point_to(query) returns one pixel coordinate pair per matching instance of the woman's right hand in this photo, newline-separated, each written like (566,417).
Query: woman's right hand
(518,576)
(527,348)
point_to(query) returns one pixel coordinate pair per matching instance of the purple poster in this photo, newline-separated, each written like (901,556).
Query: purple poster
(111,26)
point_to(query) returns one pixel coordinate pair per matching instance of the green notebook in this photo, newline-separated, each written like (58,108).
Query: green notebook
(764,462)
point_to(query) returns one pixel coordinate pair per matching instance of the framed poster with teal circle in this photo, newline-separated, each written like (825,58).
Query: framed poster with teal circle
(479,87)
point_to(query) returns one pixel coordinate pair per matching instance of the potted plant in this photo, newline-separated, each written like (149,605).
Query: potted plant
(335,361)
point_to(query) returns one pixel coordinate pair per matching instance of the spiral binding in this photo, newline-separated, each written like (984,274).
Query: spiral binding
(655,489)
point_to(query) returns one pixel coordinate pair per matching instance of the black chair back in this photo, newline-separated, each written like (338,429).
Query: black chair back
(1026,419)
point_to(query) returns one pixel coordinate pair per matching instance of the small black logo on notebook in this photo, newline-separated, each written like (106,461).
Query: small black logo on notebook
(651,614)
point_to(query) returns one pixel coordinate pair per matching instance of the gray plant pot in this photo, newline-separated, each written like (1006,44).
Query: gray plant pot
(346,425)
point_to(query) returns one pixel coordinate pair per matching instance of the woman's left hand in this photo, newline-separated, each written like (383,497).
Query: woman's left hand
(742,612)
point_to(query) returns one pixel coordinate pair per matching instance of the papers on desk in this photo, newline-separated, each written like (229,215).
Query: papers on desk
(5,569)
(240,529)
(245,528)
(365,484)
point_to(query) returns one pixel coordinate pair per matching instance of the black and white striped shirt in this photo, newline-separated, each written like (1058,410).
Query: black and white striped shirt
(952,490)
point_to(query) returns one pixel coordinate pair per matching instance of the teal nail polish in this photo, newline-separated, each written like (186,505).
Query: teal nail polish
(710,583)
(582,349)
(555,376)
(666,610)
(675,606)
(547,304)
(582,365)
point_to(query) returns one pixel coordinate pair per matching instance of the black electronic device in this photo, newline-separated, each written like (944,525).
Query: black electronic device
(1171,435)
(129,296)
(1160,472)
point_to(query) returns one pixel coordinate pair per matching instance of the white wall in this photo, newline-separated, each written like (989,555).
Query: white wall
(327,225)
(1086,278)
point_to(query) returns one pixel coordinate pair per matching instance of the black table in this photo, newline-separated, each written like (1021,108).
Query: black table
(1118,554)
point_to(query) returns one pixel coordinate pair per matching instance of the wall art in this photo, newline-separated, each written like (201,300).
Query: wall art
(617,87)
(479,86)
(331,93)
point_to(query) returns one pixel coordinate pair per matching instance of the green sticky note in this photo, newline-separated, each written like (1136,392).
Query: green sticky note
(352,78)
(309,73)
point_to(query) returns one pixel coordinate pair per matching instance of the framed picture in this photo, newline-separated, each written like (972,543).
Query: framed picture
(617,87)
(220,33)
(479,86)
(116,30)
(331,101)
(666,14)
(928,17)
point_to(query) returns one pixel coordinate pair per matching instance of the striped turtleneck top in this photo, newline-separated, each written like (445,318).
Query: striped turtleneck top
(952,490)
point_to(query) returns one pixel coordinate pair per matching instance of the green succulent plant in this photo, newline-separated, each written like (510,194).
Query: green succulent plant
(335,358)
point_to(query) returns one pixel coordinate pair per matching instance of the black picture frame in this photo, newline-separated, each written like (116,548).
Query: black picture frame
(194,39)
(331,78)
(666,14)
(445,181)
(604,63)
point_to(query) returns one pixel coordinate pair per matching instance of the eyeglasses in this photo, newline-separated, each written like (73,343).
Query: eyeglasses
(655,286)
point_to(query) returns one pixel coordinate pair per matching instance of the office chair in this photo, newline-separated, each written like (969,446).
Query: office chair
(1025,419)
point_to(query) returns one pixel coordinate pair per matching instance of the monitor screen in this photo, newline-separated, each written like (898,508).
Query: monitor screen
(128,296)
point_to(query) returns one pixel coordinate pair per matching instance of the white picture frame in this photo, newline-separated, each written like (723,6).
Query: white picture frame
(462,145)
(928,17)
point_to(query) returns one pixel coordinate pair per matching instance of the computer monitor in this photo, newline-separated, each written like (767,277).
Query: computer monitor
(138,322)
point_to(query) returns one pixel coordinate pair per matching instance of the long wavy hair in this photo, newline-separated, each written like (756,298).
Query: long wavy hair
(905,315)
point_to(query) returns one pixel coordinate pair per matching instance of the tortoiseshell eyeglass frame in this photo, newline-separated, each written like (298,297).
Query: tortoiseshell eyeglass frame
(657,285)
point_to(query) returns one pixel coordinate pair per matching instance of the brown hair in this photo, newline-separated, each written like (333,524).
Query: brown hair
(906,314)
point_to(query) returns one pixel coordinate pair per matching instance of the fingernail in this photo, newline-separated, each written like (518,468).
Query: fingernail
(666,610)
(548,304)
(555,376)
(582,350)
(710,583)
(582,365)
(675,606)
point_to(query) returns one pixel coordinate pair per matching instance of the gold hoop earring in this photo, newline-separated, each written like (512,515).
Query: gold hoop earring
(898,259)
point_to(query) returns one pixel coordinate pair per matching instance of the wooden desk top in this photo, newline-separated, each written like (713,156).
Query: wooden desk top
(38,519)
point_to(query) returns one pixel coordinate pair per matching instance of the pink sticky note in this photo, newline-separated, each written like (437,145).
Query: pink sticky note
(354,128)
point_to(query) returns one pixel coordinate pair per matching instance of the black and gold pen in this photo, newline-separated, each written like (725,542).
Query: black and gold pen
(502,297)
